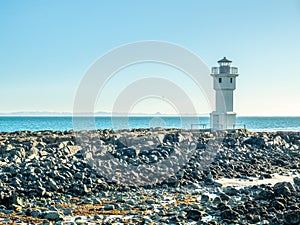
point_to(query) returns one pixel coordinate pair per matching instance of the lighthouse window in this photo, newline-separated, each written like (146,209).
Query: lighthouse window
(220,80)
(230,80)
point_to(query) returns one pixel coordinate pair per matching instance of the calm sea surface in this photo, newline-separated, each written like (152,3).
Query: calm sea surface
(9,124)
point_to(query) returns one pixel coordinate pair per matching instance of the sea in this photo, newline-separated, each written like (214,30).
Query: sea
(38,123)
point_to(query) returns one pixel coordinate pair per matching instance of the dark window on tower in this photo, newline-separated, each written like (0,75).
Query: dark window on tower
(220,80)
(230,80)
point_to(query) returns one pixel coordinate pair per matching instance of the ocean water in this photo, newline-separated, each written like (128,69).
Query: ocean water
(14,123)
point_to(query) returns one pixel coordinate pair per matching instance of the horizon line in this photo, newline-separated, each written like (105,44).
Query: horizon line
(109,114)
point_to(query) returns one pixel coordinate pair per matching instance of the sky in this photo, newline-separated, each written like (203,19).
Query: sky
(47,47)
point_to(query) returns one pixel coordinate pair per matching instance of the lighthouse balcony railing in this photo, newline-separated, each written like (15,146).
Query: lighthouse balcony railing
(231,70)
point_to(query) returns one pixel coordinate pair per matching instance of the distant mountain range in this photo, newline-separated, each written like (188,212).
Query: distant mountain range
(36,114)
(45,113)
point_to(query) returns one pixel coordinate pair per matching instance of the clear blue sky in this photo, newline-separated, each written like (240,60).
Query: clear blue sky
(47,46)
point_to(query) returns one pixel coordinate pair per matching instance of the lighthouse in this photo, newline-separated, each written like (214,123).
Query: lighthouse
(224,82)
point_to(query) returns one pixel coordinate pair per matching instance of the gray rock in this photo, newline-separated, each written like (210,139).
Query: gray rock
(68,211)
(297,181)
(79,220)
(224,197)
(97,217)
(204,198)
(120,199)
(109,207)
(278,205)
(217,200)
(130,202)
(51,215)
(52,184)
(5,211)
(231,190)
(129,152)
(229,215)
(194,214)
(264,195)
(292,217)
(36,213)
(171,182)
(283,188)
(150,201)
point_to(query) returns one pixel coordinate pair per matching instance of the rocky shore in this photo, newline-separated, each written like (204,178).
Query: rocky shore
(53,177)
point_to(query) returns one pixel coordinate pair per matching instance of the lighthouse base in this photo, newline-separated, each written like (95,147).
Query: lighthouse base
(222,121)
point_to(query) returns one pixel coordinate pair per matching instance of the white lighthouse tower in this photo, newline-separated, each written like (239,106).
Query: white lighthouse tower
(224,84)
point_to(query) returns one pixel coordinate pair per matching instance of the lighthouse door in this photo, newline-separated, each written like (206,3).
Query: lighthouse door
(216,121)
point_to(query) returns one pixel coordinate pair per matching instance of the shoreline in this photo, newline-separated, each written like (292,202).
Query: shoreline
(255,124)
(50,176)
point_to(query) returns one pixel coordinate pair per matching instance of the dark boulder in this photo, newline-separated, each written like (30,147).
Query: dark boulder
(283,189)
(297,181)
(264,195)
(292,217)
(194,214)
(229,215)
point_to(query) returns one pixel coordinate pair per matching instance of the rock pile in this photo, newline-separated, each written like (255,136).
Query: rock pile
(40,171)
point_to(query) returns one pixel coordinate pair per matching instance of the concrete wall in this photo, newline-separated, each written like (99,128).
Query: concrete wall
(225,83)
(222,121)
(224,101)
